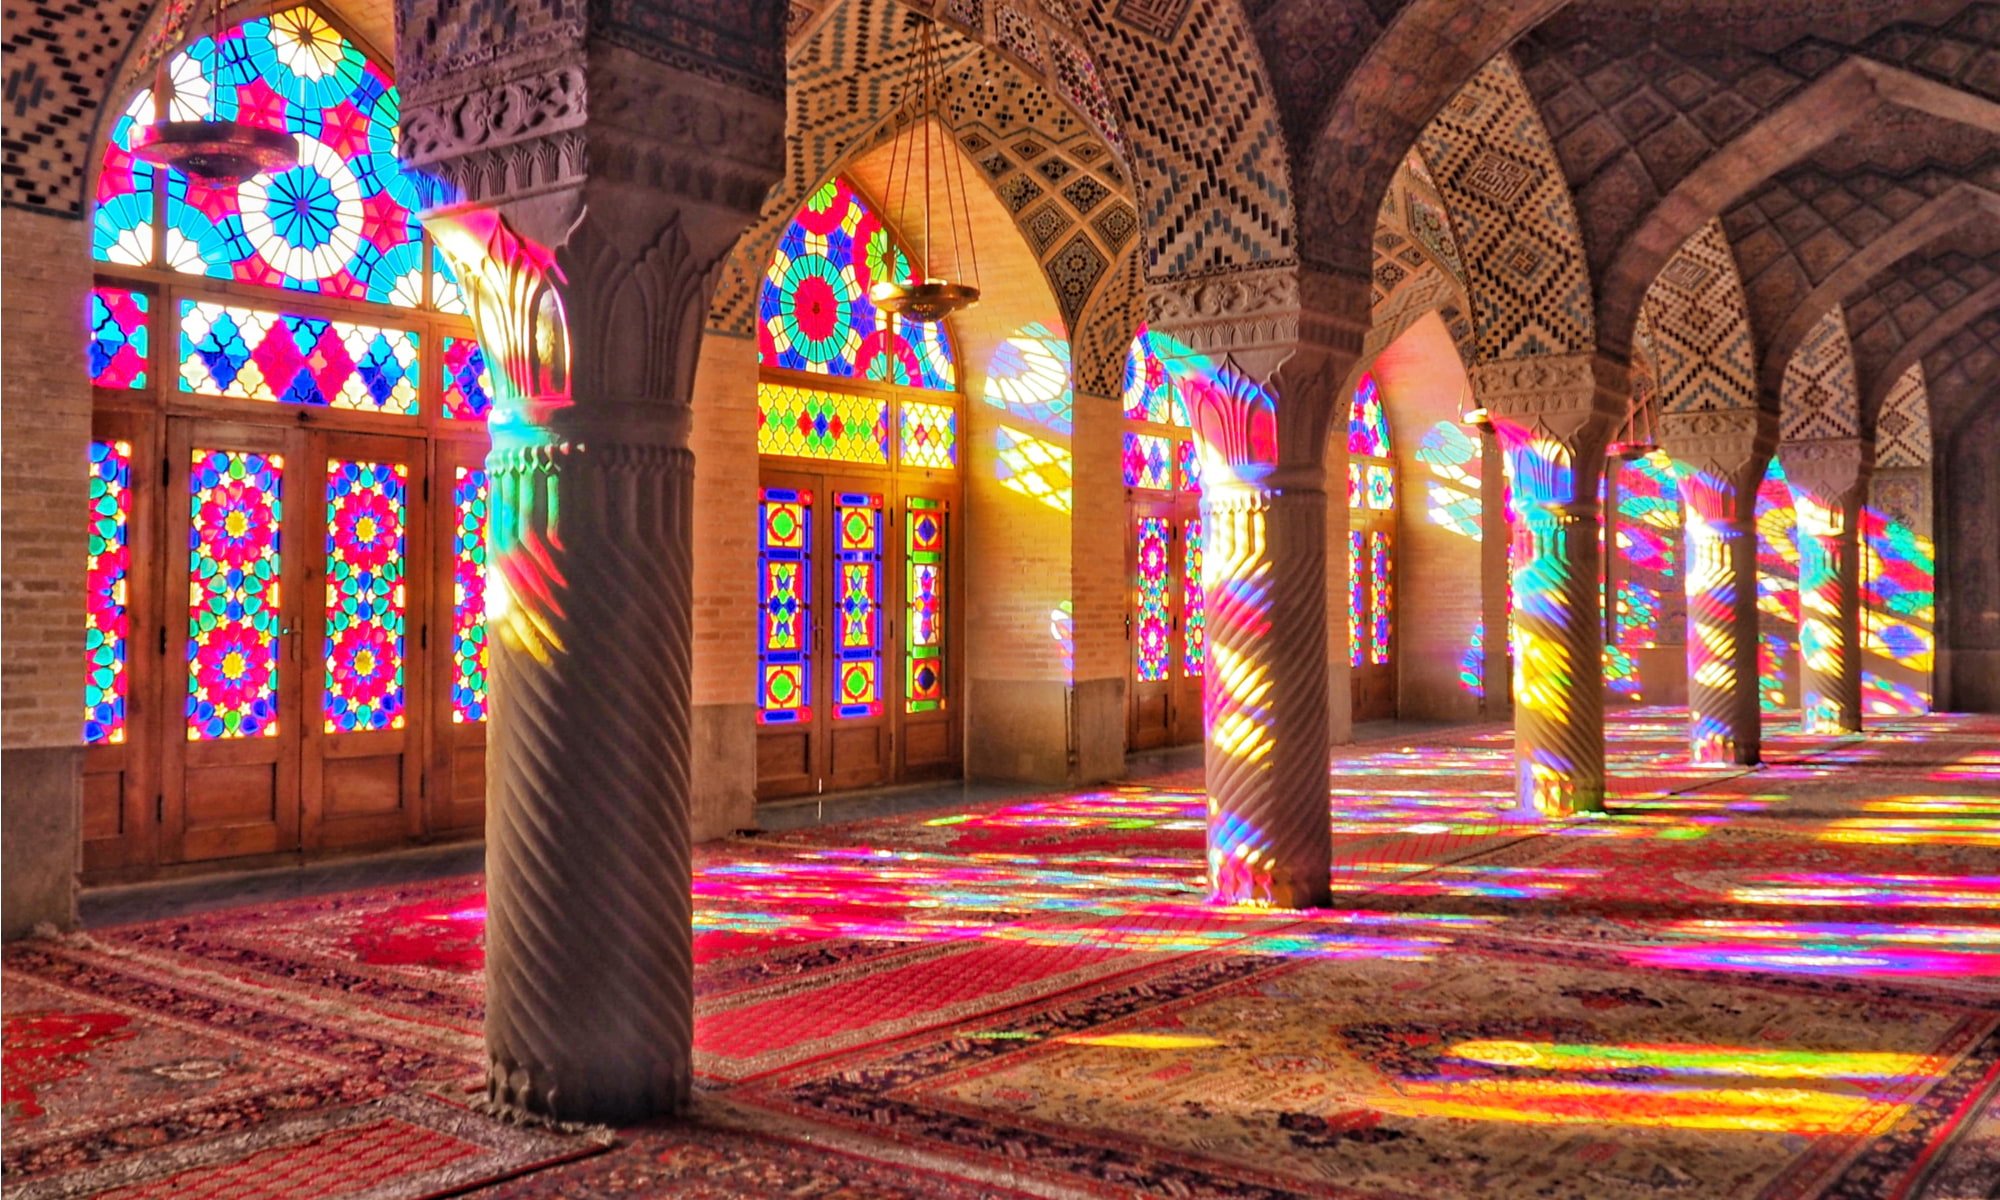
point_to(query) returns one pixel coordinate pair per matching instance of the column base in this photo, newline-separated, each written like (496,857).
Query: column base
(1245,885)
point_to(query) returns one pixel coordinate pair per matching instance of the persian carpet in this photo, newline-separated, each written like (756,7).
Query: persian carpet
(1780,983)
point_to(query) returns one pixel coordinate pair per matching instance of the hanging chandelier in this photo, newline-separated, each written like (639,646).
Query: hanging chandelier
(219,153)
(924,296)
(1635,440)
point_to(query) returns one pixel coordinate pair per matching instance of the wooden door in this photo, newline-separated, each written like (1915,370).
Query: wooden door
(364,558)
(1190,624)
(455,792)
(234,609)
(1150,622)
(825,672)
(927,536)
(1371,607)
(125,640)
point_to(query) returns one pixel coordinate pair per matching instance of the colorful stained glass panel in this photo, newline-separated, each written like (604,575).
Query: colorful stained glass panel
(1188,470)
(1367,424)
(1152,619)
(924,567)
(122,222)
(120,340)
(929,435)
(814,313)
(784,599)
(107,619)
(248,354)
(1381,487)
(1149,461)
(810,423)
(366,545)
(469,498)
(1357,598)
(234,602)
(1381,597)
(1149,393)
(468,383)
(858,670)
(340,223)
(1194,624)
(1356,472)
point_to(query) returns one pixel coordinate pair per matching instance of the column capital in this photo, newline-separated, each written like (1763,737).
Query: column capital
(540,136)
(1573,399)
(1722,456)
(1833,471)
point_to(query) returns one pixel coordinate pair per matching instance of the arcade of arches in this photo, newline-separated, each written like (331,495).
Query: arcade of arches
(530,467)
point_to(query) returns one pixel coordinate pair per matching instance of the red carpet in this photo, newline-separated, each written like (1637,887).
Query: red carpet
(1779,983)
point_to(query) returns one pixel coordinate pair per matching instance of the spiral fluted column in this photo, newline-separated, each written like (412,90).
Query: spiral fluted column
(1551,416)
(1721,457)
(1829,480)
(586,184)
(1265,702)
(589,954)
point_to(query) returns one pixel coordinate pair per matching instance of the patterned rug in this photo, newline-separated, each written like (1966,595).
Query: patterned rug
(1782,982)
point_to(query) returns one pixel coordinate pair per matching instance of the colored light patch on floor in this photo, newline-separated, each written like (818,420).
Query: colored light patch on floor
(1668,1060)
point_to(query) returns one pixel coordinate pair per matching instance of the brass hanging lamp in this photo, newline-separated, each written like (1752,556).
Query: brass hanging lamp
(926,297)
(219,153)
(1635,440)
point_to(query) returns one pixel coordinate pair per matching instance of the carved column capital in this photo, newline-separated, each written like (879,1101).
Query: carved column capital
(1573,399)
(1722,456)
(1833,471)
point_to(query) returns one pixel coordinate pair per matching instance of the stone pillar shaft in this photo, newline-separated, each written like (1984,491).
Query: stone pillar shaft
(1721,457)
(1552,416)
(1829,478)
(1265,700)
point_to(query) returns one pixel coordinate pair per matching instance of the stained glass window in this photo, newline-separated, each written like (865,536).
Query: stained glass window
(929,434)
(1367,424)
(812,423)
(122,223)
(814,313)
(1381,596)
(1149,392)
(1650,603)
(468,383)
(1194,654)
(1149,461)
(1152,619)
(249,354)
(1188,478)
(1357,597)
(234,604)
(366,515)
(120,342)
(924,566)
(107,620)
(342,222)
(1381,487)
(784,601)
(468,596)
(858,672)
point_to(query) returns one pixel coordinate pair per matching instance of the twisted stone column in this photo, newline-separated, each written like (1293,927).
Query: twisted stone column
(1265,701)
(1721,457)
(1552,416)
(1829,479)
(585,188)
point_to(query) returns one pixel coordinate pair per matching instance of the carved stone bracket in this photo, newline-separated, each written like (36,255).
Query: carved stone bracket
(1833,471)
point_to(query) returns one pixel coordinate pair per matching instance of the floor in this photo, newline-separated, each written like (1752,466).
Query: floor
(1782,982)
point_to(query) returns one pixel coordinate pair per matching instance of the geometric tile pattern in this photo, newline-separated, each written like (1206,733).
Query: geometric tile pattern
(59,64)
(1517,232)
(1635,105)
(1903,430)
(1918,298)
(1819,399)
(1702,351)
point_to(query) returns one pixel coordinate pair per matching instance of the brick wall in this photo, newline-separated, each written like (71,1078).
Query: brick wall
(45,423)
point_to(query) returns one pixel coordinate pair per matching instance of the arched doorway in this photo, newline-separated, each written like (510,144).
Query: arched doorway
(858,437)
(285,628)
(1163,543)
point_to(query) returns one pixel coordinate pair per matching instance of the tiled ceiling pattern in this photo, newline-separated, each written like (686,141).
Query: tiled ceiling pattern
(1635,105)
(1903,431)
(1918,301)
